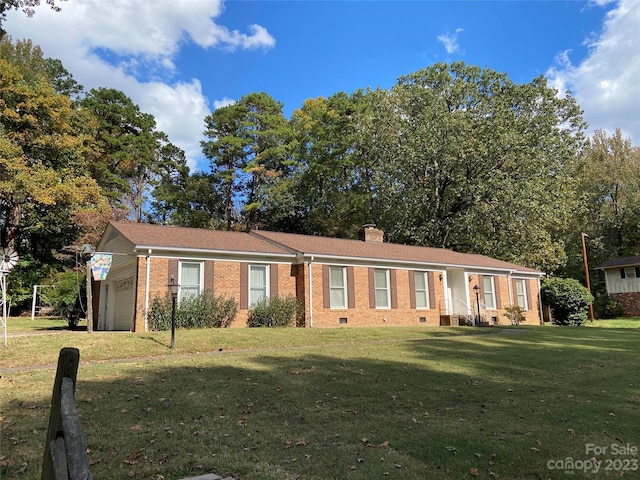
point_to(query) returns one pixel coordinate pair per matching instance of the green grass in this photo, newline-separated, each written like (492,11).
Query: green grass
(404,403)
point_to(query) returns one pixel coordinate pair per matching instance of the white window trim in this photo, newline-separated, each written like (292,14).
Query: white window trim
(493,293)
(426,290)
(524,293)
(343,288)
(387,288)
(267,293)
(200,280)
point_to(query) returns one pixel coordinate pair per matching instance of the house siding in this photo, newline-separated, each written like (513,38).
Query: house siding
(624,289)
(224,273)
(363,314)
(505,296)
(220,278)
(223,277)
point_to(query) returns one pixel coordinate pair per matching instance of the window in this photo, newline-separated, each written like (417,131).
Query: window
(381,286)
(258,285)
(421,289)
(190,279)
(489,297)
(630,272)
(338,287)
(521,294)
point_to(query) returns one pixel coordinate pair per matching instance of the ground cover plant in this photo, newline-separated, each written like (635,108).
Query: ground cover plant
(406,403)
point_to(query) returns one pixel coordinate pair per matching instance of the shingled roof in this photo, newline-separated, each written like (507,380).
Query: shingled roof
(358,249)
(620,262)
(143,236)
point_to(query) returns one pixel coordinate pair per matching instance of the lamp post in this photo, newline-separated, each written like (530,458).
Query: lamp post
(476,289)
(173,289)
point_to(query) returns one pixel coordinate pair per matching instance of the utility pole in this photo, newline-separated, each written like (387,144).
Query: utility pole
(586,272)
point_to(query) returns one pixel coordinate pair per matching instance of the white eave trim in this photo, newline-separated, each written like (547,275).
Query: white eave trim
(364,261)
(209,252)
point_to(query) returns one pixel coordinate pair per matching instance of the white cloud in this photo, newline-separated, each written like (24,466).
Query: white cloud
(108,44)
(223,102)
(450,41)
(606,83)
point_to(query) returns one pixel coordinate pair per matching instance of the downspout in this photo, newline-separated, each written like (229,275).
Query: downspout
(146,293)
(510,290)
(310,294)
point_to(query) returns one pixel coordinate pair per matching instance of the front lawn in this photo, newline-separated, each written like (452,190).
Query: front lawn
(405,403)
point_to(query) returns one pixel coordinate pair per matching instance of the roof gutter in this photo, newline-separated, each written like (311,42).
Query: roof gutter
(210,252)
(387,261)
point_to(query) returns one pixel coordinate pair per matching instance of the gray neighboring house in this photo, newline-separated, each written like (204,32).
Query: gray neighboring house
(622,278)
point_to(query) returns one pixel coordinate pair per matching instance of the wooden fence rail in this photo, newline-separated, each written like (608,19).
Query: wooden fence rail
(65,453)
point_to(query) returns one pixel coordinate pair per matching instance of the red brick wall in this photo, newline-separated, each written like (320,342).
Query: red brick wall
(226,281)
(629,301)
(363,315)
(501,285)
(294,280)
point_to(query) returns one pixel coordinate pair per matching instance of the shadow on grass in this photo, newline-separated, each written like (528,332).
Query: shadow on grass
(501,405)
(156,341)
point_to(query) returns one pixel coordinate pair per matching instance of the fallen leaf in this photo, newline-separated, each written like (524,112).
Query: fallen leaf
(474,472)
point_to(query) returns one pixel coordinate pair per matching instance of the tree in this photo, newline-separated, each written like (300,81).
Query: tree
(187,200)
(43,174)
(328,192)
(611,190)
(608,187)
(42,171)
(31,64)
(129,153)
(226,152)
(466,159)
(247,151)
(266,130)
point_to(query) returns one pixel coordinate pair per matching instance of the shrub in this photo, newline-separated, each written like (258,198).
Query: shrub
(514,313)
(274,312)
(204,311)
(68,288)
(568,300)
(606,307)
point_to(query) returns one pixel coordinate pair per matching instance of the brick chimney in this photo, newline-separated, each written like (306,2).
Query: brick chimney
(370,233)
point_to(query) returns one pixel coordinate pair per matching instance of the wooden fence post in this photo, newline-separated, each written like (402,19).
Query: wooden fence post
(64,433)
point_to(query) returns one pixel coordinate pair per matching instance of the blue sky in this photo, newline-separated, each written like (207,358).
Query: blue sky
(181,59)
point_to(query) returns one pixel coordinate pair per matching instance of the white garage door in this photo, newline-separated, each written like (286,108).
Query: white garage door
(124,302)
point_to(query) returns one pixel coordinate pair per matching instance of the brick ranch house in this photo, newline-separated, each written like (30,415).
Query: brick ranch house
(338,282)
(622,278)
